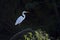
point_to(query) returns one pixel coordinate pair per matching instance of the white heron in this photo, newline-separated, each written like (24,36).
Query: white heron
(21,18)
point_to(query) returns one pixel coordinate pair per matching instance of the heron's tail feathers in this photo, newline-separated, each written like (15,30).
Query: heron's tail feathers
(16,23)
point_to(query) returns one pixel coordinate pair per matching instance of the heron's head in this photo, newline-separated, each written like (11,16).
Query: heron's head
(25,12)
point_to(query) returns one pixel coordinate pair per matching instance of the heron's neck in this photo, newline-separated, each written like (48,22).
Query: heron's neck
(23,15)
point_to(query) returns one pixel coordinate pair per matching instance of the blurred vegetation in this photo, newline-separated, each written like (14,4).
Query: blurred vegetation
(39,35)
(29,34)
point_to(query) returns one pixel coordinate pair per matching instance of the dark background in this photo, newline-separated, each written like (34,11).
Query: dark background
(43,14)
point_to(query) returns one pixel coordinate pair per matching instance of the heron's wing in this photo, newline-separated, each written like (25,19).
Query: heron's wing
(19,20)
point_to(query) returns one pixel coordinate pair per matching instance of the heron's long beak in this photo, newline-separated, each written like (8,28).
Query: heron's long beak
(28,12)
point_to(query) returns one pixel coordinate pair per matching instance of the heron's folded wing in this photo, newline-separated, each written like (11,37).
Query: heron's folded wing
(19,20)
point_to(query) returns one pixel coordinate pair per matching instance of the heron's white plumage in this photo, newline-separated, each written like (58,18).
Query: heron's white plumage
(20,18)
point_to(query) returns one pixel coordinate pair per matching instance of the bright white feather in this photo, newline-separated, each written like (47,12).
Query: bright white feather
(19,20)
